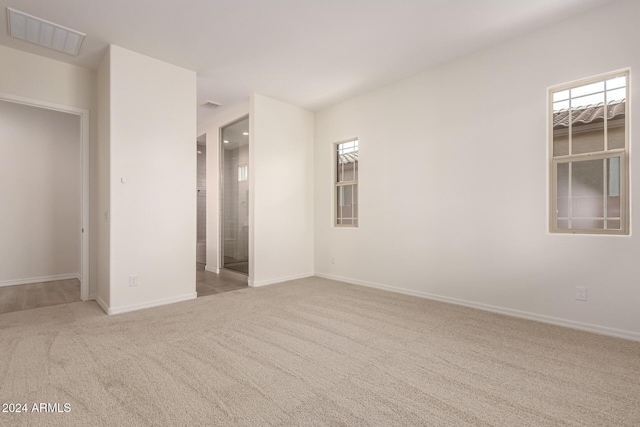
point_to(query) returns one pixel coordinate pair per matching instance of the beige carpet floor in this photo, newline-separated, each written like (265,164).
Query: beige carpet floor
(311,352)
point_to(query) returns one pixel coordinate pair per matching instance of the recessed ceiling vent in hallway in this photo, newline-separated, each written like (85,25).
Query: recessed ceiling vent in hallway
(43,33)
(211,104)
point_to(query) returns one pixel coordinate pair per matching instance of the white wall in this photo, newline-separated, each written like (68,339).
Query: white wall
(32,76)
(212,131)
(36,77)
(40,185)
(152,135)
(453,183)
(281,196)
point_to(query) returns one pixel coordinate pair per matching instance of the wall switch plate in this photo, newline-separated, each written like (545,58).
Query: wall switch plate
(581,293)
(133,281)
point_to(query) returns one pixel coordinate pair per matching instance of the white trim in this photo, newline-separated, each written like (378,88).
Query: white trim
(102,304)
(84,167)
(39,279)
(589,80)
(255,284)
(150,304)
(212,270)
(602,330)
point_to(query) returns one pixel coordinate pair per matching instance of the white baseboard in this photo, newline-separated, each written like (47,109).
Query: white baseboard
(40,279)
(602,330)
(212,270)
(148,304)
(102,304)
(255,284)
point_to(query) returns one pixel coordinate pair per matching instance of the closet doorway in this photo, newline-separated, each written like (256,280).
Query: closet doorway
(234,196)
(45,223)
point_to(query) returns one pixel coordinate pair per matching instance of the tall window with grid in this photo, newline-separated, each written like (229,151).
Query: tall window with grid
(589,156)
(346,194)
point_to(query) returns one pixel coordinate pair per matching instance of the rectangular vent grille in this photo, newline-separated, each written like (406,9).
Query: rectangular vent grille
(211,104)
(43,33)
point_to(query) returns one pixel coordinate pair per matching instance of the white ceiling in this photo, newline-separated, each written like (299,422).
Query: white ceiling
(310,53)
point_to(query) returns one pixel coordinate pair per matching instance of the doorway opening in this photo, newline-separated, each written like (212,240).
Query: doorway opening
(45,148)
(234,196)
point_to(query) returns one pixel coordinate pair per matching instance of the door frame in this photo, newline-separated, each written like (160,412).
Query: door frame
(84,168)
(206,220)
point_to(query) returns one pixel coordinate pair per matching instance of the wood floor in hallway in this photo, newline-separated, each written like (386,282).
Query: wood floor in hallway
(208,283)
(36,295)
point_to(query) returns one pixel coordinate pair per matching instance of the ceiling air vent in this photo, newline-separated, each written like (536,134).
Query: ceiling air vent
(43,33)
(211,104)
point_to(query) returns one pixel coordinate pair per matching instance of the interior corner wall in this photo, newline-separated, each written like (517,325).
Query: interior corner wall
(35,77)
(454,183)
(40,187)
(281,196)
(102,230)
(212,131)
(152,135)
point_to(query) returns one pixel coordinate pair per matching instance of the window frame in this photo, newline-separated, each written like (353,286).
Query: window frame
(622,153)
(337,185)
(243,172)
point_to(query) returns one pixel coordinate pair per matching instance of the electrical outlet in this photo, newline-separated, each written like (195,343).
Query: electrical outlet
(581,293)
(333,260)
(133,281)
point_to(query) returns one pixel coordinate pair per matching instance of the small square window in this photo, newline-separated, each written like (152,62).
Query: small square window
(243,172)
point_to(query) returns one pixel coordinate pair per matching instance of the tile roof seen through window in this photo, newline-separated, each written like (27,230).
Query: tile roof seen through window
(588,114)
(351,157)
